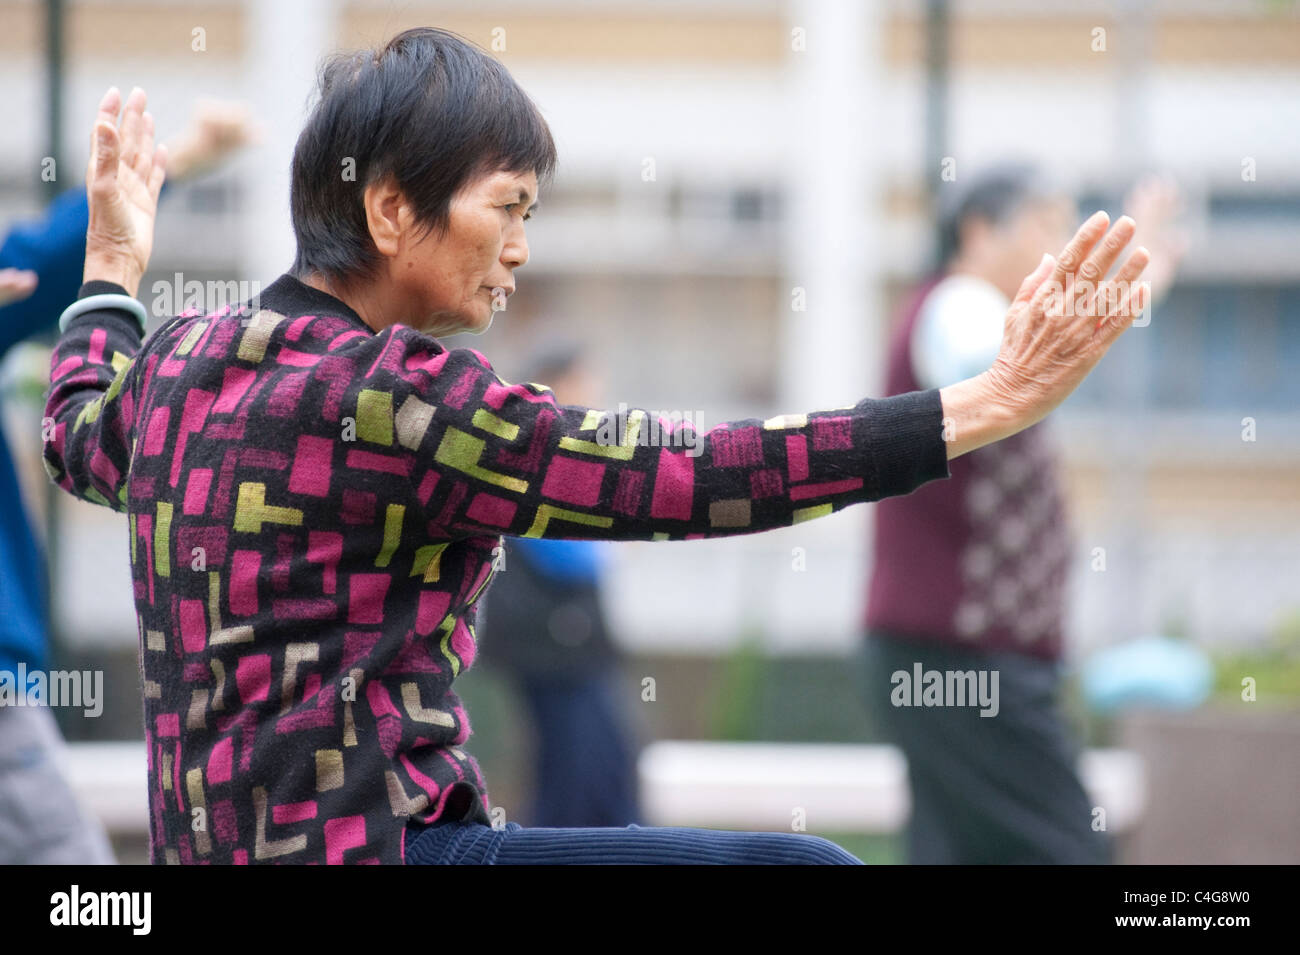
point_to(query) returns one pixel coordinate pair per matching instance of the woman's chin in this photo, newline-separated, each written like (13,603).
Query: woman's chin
(482,323)
(475,323)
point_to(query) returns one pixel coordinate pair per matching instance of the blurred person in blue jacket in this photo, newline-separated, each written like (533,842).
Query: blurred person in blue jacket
(544,627)
(41,263)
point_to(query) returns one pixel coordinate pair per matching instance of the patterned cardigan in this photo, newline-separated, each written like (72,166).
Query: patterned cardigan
(314,510)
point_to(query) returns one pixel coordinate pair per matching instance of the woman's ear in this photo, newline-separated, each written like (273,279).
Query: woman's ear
(385,207)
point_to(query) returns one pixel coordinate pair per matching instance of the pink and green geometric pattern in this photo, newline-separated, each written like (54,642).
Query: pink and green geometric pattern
(313,512)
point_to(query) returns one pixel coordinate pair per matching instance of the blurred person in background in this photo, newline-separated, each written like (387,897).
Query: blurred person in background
(543,626)
(41,265)
(970,574)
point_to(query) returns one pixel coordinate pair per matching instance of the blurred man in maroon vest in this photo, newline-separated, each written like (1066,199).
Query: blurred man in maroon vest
(966,601)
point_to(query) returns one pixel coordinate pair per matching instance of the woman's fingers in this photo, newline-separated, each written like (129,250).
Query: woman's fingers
(110,104)
(1049,300)
(102,187)
(132,126)
(1119,296)
(1034,279)
(1073,255)
(1094,268)
(144,164)
(125,146)
(1133,300)
(158,173)
(153,161)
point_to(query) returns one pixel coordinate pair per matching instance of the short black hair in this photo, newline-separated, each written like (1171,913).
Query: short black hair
(993,195)
(430,109)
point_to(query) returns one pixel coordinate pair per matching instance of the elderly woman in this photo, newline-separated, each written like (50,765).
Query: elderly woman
(316,486)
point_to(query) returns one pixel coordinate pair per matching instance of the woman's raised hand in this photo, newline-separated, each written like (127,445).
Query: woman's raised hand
(1063,319)
(123,179)
(1066,315)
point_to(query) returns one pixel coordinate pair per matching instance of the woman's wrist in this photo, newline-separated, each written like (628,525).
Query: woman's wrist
(118,268)
(976,413)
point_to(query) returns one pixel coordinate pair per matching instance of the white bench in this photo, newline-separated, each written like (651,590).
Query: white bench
(838,787)
(111,781)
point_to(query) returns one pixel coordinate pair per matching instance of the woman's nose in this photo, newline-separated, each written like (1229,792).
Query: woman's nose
(515,252)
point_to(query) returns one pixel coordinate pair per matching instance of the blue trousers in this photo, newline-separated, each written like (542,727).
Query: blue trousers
(584,773)
(461,843)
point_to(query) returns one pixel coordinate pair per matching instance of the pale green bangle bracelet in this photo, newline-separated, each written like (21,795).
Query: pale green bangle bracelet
(94,302)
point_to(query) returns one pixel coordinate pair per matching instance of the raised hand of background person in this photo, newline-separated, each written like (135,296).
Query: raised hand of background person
(1156,202)
(123,179)
(219,128)
(16,285)
(1061,322)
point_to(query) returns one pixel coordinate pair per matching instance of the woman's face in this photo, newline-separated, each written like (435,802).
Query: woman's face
(448,280)
(1043,225)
